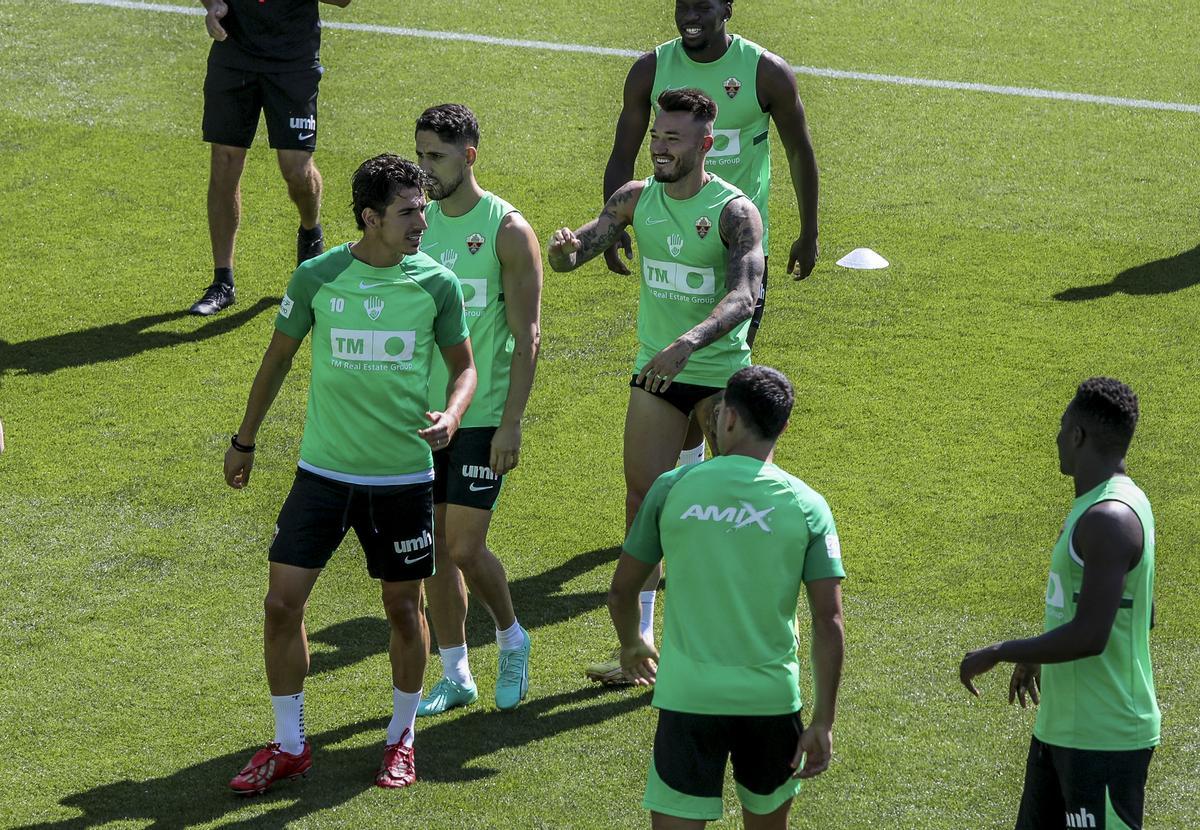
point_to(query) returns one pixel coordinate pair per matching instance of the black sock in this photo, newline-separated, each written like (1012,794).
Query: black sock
(224,276)
(311,234)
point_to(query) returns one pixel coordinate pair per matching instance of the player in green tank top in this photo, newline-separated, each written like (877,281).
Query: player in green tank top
(691,227)
(380,312)
(743,539)
(1090,672)
(496,256)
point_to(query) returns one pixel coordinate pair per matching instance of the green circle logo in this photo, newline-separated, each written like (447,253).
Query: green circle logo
(720,142)
(394,346)
(468,292)
(694,280)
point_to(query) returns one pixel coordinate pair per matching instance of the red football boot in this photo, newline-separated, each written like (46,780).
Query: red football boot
(270,764)
(399,767)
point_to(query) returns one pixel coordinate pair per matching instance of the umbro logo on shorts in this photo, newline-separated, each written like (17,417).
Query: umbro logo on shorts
(744,516)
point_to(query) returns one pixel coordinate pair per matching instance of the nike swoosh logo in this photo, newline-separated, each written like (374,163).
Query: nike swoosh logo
(305,136)
(655,221)
(430,246)
(408,561)
(475,489)
(364,286)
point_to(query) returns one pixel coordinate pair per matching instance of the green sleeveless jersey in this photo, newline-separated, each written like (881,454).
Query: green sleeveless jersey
(683,277)
(740,538)
(375,333)
(467,246)
(741,152)
(1106,702)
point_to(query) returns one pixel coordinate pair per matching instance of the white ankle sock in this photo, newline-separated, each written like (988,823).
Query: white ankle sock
(455,665)
(404,716)
(511,637)
(693,456)
(289,722)
(646,629)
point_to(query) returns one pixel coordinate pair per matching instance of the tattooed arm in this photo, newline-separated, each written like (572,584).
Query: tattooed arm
(741,231)
(569,249)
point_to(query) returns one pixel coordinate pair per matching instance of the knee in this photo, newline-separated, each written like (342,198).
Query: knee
(466,555)
(297,172)
(282,612)
(405,616)
(227,160)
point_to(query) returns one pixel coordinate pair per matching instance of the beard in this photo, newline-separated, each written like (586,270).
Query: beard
(437,190)
(682,168)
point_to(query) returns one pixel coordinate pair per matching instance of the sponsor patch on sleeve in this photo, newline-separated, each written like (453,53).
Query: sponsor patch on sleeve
(285,306)
(833,546)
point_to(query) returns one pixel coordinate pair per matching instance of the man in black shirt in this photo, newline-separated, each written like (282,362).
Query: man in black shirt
(264,58)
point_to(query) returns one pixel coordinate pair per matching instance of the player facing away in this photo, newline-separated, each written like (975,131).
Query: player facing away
(742,538)
(497,259)
(1090,673)
(264,58)
(700,243)
(753,87)
(381,313)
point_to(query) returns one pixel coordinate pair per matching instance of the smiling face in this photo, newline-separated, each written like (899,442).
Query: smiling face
(445,163)
(401,224)
(678,142)
(700,22)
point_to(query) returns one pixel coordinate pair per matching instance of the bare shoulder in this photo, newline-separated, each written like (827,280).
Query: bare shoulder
(739,216)
(776,79)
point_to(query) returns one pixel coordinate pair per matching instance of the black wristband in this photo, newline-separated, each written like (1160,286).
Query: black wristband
(233,441)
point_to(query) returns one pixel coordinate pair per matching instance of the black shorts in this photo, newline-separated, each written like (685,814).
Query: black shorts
(760,304)
(461,471)
(233,98)
(394,524)
(682,396)
(1068,788)
(690,752)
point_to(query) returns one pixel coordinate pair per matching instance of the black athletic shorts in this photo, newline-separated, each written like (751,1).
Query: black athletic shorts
(1083,788)
(394,524)
(233,98)
(682,396)
(760,304)
(461,471)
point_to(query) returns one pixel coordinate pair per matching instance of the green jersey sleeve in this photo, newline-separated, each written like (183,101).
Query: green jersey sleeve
(823,556)
(450,325)
(644,541)
(295,316)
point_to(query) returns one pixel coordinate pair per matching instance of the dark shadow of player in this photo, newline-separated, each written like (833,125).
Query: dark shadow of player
(1162,276)
(115,341)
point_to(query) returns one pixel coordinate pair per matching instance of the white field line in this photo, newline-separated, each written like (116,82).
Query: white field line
(841,74)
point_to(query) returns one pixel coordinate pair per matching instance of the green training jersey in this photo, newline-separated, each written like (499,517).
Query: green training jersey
(1106,702)
(683,277)
(739,537)
(375,333)
(467,246)
(741,152)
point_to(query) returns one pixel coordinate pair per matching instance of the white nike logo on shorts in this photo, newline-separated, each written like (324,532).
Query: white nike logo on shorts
(475,489)
(305,136)
(364,286)
(408,561)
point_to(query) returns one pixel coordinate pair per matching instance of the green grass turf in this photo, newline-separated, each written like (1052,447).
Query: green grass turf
(131,685)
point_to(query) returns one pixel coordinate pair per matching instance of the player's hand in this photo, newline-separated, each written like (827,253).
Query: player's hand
(441,429)
(237,468)
(660,370)
(612,257)
(563,244)
(212,20)
(1024,681)
(974,664)
(816,748)
(639,662)
(506,449)
(803,257)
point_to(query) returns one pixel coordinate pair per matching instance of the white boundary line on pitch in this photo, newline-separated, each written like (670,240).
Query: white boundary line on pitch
(840,74)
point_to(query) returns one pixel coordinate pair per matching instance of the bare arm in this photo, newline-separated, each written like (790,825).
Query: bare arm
(215,11)
(638,658)
(569,249)
(828,650)
(521,277)
(777,85)
(276,364)
(460,363)
(631,124)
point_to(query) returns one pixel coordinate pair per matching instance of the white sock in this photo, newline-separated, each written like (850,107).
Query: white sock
(455,665)
(693,456)
(511,637)
(289,722)
(646,629)
(404,716)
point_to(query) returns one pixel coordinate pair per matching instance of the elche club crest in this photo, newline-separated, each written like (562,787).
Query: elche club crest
(475,242)
(703,226)
(732,87)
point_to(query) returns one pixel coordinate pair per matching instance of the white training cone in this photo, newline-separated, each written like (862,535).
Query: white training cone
(863,259)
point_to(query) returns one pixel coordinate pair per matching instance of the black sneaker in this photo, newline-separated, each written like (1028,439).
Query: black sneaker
(309,248)
(217,296)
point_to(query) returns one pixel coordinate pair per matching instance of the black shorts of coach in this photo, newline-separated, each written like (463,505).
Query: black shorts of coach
(394,525)
(233,99)
(462,472)
(682,396)
(1083,788)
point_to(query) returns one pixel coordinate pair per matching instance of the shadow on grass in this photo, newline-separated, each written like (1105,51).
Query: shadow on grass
(538,600)
(115,341)
(447,752)
(1162,276)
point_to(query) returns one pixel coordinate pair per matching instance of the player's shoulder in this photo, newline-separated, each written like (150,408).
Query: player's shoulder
(428,272)
(323,268)
(797,489)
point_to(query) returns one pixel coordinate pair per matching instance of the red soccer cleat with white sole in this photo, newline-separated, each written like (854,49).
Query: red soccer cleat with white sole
(399,767)
(271,764)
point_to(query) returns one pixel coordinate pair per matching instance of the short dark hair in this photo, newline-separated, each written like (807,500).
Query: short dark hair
(453,123)
(763,396)
(694,101)
(377,181)
(1109,409)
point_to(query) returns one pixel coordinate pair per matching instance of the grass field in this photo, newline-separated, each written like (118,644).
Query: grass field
(1033,243)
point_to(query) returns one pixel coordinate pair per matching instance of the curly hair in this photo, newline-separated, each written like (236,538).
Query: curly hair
(763,396)
(1110,408)
(377,181)
(453,123)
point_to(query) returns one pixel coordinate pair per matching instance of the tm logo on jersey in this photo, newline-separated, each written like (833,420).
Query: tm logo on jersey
(475,293)
(354,345)
(745,516)
(680,278)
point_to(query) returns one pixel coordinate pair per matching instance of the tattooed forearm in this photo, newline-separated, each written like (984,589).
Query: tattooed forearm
(598,235)
(741,230)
